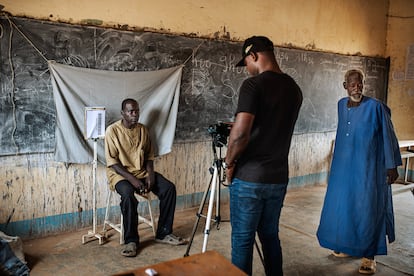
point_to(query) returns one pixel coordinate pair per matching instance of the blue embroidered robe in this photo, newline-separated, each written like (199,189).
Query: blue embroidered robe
(357,213)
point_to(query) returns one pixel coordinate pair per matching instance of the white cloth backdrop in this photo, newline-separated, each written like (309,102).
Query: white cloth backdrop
(75,88)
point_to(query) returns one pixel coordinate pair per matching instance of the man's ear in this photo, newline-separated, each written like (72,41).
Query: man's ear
(254,56)
(344,84)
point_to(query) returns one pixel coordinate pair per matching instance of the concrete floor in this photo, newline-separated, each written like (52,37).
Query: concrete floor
(66,255)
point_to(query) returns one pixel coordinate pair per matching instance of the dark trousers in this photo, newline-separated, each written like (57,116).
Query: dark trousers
(166,193)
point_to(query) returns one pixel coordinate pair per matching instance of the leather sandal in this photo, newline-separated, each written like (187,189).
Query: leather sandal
(368,266)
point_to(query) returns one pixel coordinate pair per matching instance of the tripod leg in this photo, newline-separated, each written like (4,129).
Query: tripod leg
(210,208)
(200,210)
(218,182)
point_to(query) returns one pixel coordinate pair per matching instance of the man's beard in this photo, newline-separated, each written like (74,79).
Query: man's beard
(356,97)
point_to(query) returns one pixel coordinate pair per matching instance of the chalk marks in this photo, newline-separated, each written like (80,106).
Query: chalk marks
(209,85)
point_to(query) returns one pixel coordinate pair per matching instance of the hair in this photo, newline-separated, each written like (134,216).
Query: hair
(269,54)
(354,71)
(124,102)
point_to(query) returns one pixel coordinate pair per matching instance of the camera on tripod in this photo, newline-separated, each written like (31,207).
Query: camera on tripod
(220,132)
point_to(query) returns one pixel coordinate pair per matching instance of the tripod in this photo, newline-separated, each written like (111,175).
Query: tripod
(217,177)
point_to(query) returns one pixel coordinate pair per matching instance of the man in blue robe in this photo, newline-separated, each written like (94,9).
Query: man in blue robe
(357,213)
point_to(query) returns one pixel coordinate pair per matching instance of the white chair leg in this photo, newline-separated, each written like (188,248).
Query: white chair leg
(121,232)
(108,203)
(120,227)
(153,225)
(407,164)
(151,221)
(117,227)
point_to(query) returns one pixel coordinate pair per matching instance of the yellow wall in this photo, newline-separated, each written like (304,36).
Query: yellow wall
(400,35)
(348,27)
(35,188)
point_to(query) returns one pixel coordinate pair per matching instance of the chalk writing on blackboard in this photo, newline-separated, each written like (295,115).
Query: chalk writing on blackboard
(209,86)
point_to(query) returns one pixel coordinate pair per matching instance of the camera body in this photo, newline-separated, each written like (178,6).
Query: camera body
(220,132)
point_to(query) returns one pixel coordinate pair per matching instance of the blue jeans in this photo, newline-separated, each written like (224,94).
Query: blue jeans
(256,207)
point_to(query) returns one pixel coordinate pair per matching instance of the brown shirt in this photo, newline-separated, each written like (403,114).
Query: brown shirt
(129,148)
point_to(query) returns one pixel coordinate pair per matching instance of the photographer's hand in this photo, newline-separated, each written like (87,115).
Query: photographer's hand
(238,140)
(229,173)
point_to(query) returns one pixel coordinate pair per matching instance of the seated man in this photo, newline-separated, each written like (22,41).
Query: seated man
(129,160)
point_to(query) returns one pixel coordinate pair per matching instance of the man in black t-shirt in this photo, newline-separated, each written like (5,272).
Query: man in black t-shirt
(257,155)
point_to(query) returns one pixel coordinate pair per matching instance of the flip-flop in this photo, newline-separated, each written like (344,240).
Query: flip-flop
(129,250)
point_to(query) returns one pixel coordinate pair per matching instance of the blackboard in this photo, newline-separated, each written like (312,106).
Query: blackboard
(209,85)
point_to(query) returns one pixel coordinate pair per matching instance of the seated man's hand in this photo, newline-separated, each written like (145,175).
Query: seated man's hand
(139,185)
(149,183)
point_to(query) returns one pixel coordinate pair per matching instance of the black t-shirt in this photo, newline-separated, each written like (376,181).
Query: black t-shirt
(275,100)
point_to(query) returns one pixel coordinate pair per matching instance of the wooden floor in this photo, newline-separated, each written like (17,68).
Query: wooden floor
(66,255)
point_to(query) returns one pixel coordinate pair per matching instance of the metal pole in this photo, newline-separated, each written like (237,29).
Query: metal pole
(93,234)
(95,159)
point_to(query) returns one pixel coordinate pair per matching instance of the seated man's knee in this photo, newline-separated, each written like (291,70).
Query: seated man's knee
(124,188)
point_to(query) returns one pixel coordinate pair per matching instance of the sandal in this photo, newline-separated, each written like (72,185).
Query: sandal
(129,250)
(171,239)
(368,266)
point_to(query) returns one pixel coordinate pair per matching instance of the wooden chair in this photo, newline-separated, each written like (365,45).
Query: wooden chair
(141,219)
